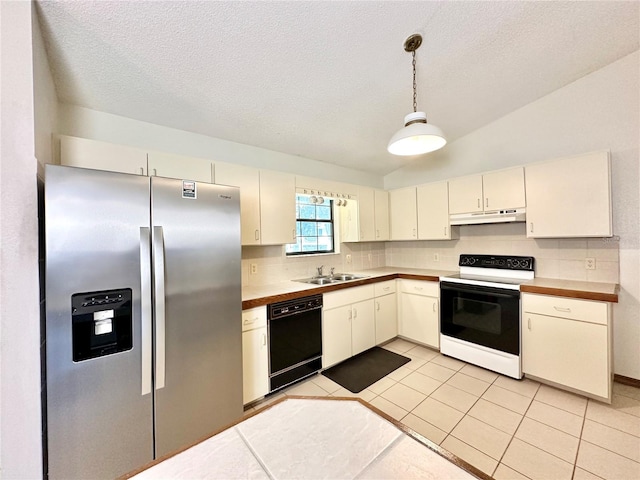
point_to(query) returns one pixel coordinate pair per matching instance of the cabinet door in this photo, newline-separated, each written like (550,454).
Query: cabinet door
(349,219)
(277,208)
(386,318)
(366,214)
(419,319)
(255,364)
(363,329)
(381,200)
(568,352)
(569,197)
(403,214)
(465,194)
(176,166)
(503,189)
(248,179)
(336,335)
(84,153)
(433,211)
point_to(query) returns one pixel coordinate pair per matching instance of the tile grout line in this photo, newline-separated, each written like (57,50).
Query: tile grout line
(515,431)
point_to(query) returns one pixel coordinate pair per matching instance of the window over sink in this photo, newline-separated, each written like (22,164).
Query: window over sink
(315,227)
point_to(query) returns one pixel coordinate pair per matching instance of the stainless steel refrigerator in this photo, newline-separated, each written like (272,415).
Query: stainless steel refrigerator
(143,318)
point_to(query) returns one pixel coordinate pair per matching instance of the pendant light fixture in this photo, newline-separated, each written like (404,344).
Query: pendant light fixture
(417,136)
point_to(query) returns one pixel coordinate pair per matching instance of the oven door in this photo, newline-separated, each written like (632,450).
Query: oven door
(484,316)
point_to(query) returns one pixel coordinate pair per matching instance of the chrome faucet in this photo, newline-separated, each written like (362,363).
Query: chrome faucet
(320,270)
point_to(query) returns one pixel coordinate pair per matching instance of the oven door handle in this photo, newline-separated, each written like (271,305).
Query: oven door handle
(497,292)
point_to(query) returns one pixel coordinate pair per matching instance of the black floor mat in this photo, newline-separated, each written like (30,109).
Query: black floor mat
(358,372)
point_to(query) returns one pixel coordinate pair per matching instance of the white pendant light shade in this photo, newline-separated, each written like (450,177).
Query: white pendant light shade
(416,137)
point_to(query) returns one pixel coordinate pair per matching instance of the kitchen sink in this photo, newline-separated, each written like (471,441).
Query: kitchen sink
(318,281)
(329,279)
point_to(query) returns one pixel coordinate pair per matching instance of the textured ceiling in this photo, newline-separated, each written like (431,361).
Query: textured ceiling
(326,80)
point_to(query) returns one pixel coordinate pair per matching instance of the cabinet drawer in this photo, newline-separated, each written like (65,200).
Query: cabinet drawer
(585,310)
(347,296)
(385,288)
(418,287)
(254,318)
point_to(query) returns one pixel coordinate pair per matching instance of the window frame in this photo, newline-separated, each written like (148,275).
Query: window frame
(334,221)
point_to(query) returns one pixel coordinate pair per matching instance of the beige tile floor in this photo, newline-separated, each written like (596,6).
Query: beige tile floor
(509,429)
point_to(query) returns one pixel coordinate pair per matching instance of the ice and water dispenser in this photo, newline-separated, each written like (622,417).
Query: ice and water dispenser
(101,323)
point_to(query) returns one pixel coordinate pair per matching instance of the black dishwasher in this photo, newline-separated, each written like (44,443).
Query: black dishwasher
(295,340)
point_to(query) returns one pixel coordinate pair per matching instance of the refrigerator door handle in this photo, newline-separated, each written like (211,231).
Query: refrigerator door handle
(158,270)
(145,308)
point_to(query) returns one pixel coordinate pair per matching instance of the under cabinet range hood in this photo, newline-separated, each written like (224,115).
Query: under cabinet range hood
(496,216)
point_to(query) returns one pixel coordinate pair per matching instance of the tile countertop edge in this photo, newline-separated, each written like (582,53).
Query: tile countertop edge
(259,296)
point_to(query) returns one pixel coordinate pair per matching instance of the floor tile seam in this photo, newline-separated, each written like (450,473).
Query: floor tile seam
(474,448)
(611,427)
(521,394)
(510,467)
(507,408)
(407,386)
(609,450)
(557,429)
(262,464)
(471,393)
(560,408)
(463,391)
(549,453)
(513,435)
(481,451)
(481,420)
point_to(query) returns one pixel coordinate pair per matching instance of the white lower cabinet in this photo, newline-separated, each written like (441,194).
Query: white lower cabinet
(255,354)
(419,311)
(348,323)
(386,311)
(568,343)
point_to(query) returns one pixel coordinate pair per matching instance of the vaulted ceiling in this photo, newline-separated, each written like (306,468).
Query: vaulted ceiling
(326,80)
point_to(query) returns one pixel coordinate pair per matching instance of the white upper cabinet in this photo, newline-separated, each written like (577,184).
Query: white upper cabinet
(381,202)
(277,208)
(433,212)
(373,214)
(178,166)
(570,197)
(492,191)
(465,194)
(403,214)
(248,179)
(267,203)
(367,214)
(85,153)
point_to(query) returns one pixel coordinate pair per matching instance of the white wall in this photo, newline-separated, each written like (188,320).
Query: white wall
(20,427)
(599,111)
(83,122)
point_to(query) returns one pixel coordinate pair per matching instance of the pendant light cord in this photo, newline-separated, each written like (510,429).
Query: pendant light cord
(415,95)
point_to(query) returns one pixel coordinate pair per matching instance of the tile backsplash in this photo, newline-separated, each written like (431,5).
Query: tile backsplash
(555,257)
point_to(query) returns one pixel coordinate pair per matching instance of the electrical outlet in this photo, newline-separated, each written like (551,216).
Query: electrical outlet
(590,263)
(436,257)
(254,268)
(348,259)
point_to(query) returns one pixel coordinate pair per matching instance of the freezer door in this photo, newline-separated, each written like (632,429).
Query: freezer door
(98,421)
(198,308)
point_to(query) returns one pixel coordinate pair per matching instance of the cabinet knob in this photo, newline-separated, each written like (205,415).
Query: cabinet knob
(529,323)
(378,306)
(257,234)
(141,170)
(355,313)
(155,172)
(486,202)
(531,227)
(264,339)
(478,203)
(434,306)
(294,233)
